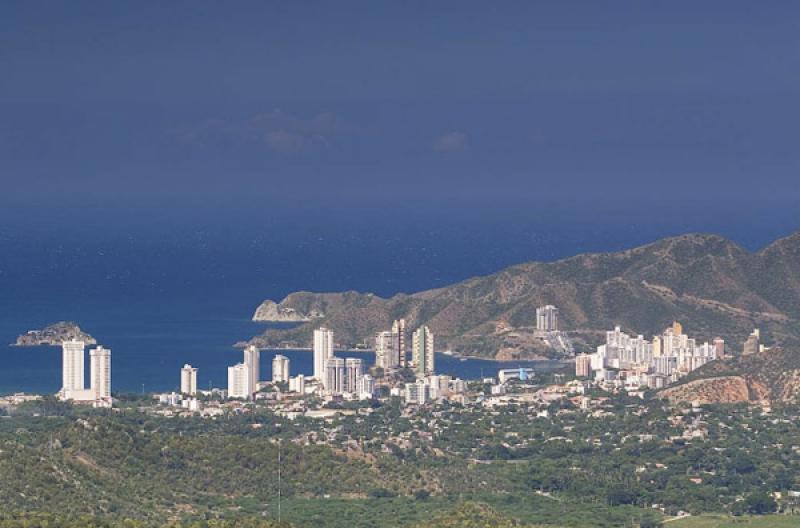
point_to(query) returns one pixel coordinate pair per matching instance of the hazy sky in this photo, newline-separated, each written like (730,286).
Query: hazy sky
(682,105)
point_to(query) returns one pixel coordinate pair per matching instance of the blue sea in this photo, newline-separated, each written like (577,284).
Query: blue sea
(148,352)
(163,291)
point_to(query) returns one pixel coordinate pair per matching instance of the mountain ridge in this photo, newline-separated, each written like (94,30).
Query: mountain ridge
(711,284)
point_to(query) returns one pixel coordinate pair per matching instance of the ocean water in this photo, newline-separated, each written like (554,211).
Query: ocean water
(161,292)
(148,352)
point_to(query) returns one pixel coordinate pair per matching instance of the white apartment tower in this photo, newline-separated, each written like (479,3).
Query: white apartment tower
(100,371)
(239,381)
(399,329)
(386,345)
(72,367)
(422,351)
(547,318)
(252,358)
(336,375)
(280,369)
(354,368)
(189,380)
(323,349)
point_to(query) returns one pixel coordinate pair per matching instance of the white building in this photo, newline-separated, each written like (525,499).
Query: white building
(72,368)
(252,358)
(280,369)
(323,349)
(354,368)
(422,351)
(417,393)
(239,381)
(547,318)
(386,347)
(365,387)
(335,375)
(100,371)
(298,384)
(189,380)
(399,329)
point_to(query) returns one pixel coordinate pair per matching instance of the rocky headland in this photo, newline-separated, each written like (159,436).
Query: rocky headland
(712,285)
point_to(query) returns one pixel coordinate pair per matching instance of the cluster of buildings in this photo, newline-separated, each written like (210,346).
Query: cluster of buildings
(650,364)
(547,330)
(348,378)
(73,384)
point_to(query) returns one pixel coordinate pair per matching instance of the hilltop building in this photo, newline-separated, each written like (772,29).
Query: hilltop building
(547,318)
(753,343)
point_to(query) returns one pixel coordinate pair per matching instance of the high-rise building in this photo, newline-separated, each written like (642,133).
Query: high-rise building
(354,369)
(252,358)
(657,350)
(239,381)
(297,384)
(335,375)
(365,387)
(583,365)
(323,349)
(386,350)
(72,367)
(422,351)
(677,328)
(399,329)
(280,369)
(189,380)
(753,343)
(719,348)
(100,372)
(417,393)
(547,318)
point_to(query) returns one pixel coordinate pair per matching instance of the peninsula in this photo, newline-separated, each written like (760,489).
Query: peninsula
(723,289)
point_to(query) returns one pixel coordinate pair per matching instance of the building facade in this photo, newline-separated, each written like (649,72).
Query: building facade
(422,351)
(252,358)
(335,375)
(189,380)
(547,318)
(323,349)
(72,367)
(239,381)
(100,372)
(280,369)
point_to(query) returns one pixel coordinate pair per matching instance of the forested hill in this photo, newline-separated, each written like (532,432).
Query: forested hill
(710,284)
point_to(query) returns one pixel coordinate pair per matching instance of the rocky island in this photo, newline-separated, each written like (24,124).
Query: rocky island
(54,335)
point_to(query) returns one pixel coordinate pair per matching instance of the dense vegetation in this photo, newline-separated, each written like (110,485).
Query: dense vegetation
(388,467)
